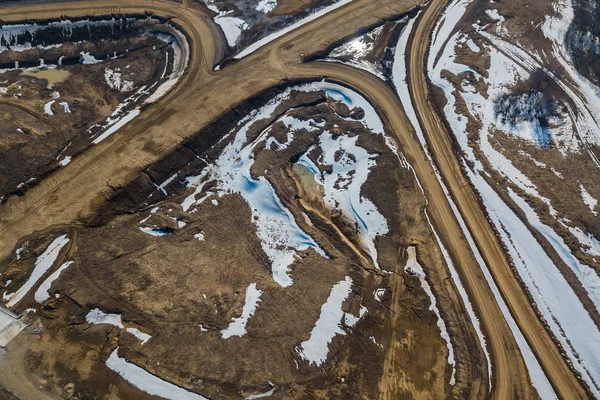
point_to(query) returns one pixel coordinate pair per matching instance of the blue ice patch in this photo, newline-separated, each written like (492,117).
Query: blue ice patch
(338,95)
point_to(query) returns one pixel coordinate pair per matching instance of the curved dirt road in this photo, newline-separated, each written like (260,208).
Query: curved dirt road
(73,193)
(565,384)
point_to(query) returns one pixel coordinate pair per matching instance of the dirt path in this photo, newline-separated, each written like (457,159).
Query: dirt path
(75,192)
(438,138)
(14,374)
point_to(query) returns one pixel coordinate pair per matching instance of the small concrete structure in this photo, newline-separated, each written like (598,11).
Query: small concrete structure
(10,326)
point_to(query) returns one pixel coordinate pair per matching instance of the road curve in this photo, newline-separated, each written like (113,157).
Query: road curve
(565,383)
(73,193)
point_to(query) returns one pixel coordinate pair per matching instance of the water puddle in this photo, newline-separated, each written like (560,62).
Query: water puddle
(53,76)
(307,178)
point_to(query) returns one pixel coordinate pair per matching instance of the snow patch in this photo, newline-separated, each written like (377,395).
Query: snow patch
(445,25)
(117,125)
(65,107)
(97,316)
(115,80)
(143,337)
(145,381)
(65,161)
(48,107)
(43,292)
(153,231)
(342,186)
(232,27)
(87,58)
(268,393)
(316,348)
(199,236)
(266,6)
(264,41)
(42,265)
(588,200)
(238,326)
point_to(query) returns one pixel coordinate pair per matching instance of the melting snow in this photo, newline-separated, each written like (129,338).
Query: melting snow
(445,26)
(65,107)
(534,266)
(413,266)
(116,81)
(588,199)
(147,382)
(495,15)
(118,125)
(263,395)
(262,42)
(316,348)
(153,231)
(97,316)
(199,236)
(378,294)
(280,235)
(87,58)
(181,53)
(48,107)
(399,76)
(589,244)
(21,250)
(351,319)
(585,95)
(342,186)
(232,27)
(357,50)
(42,265)
(238,326)
(266,6)
(144,337)
(65,161)
(43,292)
(474,48)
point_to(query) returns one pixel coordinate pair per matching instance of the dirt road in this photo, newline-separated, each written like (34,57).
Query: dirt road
(72,193)
(438,138)
(75,192)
